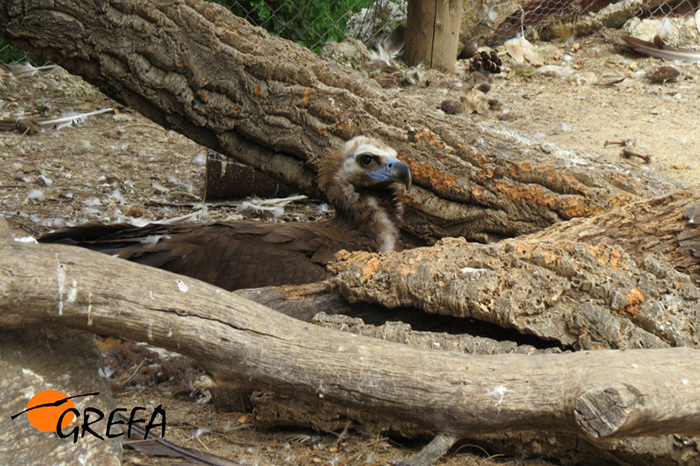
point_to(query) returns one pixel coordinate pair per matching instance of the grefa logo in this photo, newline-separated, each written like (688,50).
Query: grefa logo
(54,411)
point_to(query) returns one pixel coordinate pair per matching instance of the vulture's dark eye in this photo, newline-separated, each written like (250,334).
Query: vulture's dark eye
(366,160)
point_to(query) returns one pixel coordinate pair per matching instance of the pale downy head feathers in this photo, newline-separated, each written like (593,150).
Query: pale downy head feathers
(361,181)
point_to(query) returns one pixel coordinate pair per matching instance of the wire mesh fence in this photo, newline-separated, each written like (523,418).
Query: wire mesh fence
(491,22)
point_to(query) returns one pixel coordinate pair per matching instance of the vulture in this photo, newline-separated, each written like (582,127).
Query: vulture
(361,181)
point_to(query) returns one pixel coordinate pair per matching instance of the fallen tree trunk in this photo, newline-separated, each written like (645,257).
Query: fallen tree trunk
(599,394)
(623,289)
(195,68)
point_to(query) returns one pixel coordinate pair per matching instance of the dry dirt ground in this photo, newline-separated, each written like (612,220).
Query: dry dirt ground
(119,166)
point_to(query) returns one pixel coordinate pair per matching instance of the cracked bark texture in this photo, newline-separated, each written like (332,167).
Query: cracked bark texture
(197,69)
(578,294)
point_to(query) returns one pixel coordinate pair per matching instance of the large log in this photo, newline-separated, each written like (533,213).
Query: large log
(598,394)
(626,279)
(195,68)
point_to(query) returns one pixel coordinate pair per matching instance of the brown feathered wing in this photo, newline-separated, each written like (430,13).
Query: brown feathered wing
(230,255)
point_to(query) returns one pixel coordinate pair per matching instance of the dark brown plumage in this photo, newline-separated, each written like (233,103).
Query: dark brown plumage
(360,181)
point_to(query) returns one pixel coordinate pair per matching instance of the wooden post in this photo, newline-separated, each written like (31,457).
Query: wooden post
(432,33)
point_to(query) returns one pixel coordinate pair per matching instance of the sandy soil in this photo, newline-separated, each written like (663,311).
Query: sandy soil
(118,166)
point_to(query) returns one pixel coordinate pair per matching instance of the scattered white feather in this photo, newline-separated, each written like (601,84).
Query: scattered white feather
(159,188)
(201,431)
(275,206)
(664,28)
(36,195)
(45,181)
(70,119)
(174,180)
(200,159)
(499,392)
(200,216)
(324,208)
(137,222)
(382,57)
(20,70)
(117,196)
(25,239)
(151,240)
(105,372)
(277,212)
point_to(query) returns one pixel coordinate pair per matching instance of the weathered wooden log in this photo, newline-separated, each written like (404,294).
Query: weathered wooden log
(267,102)
(604,282)
(598,394)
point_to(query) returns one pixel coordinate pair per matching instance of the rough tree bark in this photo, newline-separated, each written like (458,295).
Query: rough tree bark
(194,67)
(598,394)
(612,281)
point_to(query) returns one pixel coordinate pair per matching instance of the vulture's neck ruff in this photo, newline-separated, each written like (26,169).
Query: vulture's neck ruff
(361,181)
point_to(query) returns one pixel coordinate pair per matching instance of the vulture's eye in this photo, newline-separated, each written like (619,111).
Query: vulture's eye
(366,160)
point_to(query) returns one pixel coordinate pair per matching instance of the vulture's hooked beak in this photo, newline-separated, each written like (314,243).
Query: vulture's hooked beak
(394,170)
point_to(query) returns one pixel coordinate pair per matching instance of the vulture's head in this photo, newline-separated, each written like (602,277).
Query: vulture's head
(369,164)
(361,180)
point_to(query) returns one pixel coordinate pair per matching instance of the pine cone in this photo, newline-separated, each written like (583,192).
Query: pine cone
(485,61)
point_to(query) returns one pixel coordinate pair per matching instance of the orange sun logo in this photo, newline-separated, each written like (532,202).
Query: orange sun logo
(45,408)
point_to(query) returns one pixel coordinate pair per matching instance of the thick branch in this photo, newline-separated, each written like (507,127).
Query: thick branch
(598,394)
(196,68)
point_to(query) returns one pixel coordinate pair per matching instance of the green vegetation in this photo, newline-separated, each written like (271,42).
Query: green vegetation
(310,23)
(10,54)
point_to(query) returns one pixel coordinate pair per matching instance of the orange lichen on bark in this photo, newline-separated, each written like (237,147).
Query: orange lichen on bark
(371,268)
(431,137)
(525,249)
(203,96)
(532,193)
(550,257)
(621,199)
(606,255)
(257,90)
(635,298)
(580,207)
(440,180)
(307,96)
(515,170)
(407,198)
(347,126)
